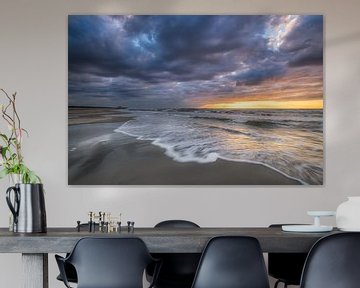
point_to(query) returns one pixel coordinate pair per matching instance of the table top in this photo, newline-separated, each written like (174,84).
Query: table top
(158,240)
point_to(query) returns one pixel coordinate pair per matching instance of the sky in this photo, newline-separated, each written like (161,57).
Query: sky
(215,62)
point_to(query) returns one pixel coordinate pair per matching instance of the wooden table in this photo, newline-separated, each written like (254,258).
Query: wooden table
(35,247)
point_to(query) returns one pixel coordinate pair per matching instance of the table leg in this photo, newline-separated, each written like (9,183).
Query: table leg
(35,270)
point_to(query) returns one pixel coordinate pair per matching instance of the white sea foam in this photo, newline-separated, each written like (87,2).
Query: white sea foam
(288,141)
(98,140)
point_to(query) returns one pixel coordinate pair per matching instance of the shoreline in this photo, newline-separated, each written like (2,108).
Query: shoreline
(152,142)
(100,156)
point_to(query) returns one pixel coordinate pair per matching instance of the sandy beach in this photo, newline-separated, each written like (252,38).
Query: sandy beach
(100,156)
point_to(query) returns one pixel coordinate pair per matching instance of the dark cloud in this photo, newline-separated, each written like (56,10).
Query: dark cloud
(147,60)
(158,48)
(307,58)
(256,76)
(304,44)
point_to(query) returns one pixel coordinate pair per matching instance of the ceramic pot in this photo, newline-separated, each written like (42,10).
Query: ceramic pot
(27,207)
(348,215)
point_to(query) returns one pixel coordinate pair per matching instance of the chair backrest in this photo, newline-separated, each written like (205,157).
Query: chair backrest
(333,262)
(178,269)
(176,224)
(232,262)
(110,262)
(286,266)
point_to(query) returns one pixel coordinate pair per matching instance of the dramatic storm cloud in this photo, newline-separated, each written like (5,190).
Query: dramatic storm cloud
(194,61)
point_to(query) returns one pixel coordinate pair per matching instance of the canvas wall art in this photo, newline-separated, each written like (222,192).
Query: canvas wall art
(195,99)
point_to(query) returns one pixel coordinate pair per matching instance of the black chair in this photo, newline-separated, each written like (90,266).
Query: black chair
(286,267)
(178,269)
(232,262)
(333,262)
(69,269)
(108,263)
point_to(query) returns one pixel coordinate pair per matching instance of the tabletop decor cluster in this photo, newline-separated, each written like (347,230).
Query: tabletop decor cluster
(25,197)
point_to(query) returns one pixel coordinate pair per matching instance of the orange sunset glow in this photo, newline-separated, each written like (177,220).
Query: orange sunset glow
(306,104)
(299,88)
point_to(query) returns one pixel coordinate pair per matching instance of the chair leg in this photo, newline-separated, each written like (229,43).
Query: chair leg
(278,282)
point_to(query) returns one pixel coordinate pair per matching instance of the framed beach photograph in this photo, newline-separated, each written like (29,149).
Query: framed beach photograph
(195,100)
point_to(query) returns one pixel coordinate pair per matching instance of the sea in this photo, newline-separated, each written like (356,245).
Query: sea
(288,141)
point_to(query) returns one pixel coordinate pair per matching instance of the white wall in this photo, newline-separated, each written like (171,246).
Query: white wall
(33,62)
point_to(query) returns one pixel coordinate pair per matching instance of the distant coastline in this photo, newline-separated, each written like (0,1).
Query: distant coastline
(87,115)
(95,107)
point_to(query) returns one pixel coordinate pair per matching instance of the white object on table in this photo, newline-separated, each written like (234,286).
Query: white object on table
(316,227)
(348,214)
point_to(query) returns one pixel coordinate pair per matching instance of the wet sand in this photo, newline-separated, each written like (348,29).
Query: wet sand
(100,156)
